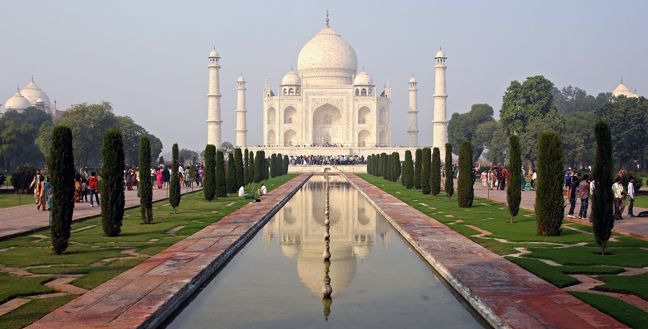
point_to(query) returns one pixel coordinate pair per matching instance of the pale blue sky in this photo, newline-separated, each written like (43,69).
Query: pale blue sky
(149,58)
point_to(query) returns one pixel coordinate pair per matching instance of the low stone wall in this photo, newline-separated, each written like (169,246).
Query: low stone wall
(360,169)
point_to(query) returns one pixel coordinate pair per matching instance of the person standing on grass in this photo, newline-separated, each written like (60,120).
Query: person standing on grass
(573,186)
(93,187)
(617,189)
(584,194)
(631,196)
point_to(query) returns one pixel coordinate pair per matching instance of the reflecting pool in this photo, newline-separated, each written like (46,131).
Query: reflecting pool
(277,280)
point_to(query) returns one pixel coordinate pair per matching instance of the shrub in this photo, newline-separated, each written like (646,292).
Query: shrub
(384,161)
(513,188)
(286,163)
(61,169)
(174,184)
(417,169)
(112,172)
(408,170)
(221,184)
(550,204)
(602,199)
(465,190)
(258,167)
(230,179)
(144,186)
(425,170)
(435,172)
(238,165)
(246,167)
(449,178)
(21,178)
(209,182)
(251,168)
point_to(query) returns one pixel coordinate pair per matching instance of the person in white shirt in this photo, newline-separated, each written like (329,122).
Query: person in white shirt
(241,192)
(263,190)
(617,190)
(631,196)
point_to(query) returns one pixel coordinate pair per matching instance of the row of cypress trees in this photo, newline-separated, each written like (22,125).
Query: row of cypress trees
(278,165)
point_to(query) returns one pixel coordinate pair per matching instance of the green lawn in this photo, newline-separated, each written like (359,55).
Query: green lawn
(12,200)
(89,249)
(641,201)
(574,251)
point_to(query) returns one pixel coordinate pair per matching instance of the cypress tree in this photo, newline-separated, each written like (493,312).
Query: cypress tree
(174,184)
(435,172)
(221,183)
(417,169)
(238,165)
(145,187)
(449,179)
(209,183)
(286,164)
(465,182)
(384,158)
(252,168)
(112,172)
(390,167)
(425,170)
(230,179)
(397,167)
(408,170)
(550,204)
(246,167)
(60,163)
(258,167)
(273,166)
(379,166)
(602,199)
(513,188)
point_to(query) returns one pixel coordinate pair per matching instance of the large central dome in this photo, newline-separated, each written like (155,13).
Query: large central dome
(327,59)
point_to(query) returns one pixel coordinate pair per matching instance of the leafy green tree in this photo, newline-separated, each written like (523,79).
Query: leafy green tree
(187,154)
(435,172)
(526,102)
(61,169)
(174,184)
(22,178)
(408,170)
(463,127)
(495,141)
(18,134)
(144,186)
(425,171)
(550,203)
(513,187)
(221,184)
(628,122)
(465,191)
(112,172)
(602,199)
(240,171)
(417,169)
(578,141)
(209,182)
(529,139)
(230,179)
(259,167)
(570,100)
(449,178)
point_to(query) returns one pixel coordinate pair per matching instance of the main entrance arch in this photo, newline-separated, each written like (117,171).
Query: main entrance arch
(327,125)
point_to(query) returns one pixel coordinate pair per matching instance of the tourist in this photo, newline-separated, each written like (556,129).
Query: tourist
(93,187)
(128,176)
(84,188)
(263,190)
(617,189)
(158,175)
(573,187)
(34,185)
(505,174)
(631,196)
(166,176)
(484,178)
(567,177)
(584,194)
(534,178)
(241,191)
(41,194)
(77,188)
(47,191)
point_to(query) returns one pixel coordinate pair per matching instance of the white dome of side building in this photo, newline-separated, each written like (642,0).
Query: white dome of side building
(623,90)
(30,96)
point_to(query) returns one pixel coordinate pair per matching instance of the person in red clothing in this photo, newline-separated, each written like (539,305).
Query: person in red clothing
(93,186)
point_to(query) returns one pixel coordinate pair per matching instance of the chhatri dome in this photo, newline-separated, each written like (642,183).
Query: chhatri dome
(327,59)
(290,79)
(17,102)
(30,96)
(33,93)
(623,90)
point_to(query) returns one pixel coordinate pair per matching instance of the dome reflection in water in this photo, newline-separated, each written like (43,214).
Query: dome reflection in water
(280,279)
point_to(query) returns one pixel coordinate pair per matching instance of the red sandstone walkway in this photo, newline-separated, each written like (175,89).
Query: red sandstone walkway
(147,294)
(505,294)
(22,219)
(632,226)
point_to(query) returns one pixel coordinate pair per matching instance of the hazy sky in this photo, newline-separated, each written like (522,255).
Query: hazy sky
(149,58)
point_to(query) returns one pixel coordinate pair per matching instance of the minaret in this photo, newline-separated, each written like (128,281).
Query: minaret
(241,129)
(213,101)
(412,115)
(439,123)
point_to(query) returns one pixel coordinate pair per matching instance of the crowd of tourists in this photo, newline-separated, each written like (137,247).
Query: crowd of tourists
(582,188)
(334,160)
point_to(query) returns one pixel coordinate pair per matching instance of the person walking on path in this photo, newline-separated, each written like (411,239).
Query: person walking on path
(41,194)
(34,185)
(631,196)
(573,186)
(583,194)
(534,178)
(158,177)
(484,178)
(617,189)
(93,187)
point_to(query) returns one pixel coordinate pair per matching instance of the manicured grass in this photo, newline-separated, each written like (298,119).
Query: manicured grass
(624,312)
(574,250)
(32,311)
(636,284)
(641,202)
(12,200)
(89,247)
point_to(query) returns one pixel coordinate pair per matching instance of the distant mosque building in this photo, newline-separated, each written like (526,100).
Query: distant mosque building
(31,96)
(623,90)
(326,104)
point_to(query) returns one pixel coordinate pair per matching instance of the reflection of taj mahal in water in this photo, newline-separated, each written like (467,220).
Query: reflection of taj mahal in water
(355,228)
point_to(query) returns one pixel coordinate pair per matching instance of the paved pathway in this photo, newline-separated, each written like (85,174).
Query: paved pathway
(504,293)
(147,294)
(632,226)
(23,219)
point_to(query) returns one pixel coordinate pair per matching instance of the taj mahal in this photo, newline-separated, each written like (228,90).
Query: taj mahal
(326,106)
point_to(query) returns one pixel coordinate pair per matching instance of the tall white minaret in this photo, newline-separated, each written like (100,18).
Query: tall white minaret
(213,101)
(439,123)
(241,128)
(412,114)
